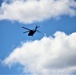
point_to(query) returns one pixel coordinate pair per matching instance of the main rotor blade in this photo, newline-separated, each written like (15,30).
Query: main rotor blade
(37,26)
(25,28)
(38,31)
(26,32)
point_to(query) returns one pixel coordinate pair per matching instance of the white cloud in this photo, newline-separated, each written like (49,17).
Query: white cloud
(50,55)
(29,11)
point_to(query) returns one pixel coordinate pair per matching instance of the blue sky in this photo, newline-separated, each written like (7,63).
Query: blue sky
(11,34)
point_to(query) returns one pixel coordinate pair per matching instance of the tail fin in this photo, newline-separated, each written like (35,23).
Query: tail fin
(36,27)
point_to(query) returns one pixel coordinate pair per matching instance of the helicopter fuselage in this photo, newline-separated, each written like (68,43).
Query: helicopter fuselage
(31,32)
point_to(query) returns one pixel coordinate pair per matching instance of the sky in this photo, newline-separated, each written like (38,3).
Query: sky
(53,51)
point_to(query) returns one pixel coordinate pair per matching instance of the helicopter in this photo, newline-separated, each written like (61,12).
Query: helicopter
(31,32)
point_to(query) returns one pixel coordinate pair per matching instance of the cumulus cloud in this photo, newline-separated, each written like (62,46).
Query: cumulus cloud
(50,55)
(29,11)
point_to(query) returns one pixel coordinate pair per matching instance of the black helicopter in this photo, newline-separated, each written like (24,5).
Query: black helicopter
(31,32)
